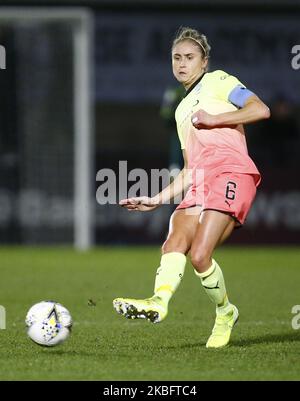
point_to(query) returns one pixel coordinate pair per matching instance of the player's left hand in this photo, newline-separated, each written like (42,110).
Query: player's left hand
(202,119)
(141,203)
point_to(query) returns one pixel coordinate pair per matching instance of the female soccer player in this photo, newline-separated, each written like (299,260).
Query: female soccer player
(220,179)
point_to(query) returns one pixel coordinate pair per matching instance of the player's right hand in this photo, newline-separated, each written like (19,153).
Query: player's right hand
(141,203)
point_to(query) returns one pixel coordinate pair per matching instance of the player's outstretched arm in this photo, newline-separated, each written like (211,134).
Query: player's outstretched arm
(141,203)
(145,203)
(253,110)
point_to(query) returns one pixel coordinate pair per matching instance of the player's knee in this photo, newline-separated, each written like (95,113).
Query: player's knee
(201,260)
(175,244)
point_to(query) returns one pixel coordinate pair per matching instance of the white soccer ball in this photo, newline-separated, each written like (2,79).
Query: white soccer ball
(48,323)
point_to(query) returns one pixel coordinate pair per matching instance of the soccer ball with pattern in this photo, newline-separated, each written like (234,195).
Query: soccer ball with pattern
(48,323)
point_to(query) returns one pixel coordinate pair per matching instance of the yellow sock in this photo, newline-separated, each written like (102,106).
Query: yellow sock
(168,275)
(214,285)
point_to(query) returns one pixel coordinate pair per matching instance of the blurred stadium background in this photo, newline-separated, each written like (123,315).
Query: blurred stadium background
(89,83)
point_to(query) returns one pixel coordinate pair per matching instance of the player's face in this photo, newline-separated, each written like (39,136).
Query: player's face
(187,62)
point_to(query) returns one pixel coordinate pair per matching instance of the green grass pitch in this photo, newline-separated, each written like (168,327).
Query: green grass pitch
(263,282)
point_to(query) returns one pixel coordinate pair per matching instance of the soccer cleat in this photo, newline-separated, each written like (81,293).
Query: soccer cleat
(151,309)
(222,329)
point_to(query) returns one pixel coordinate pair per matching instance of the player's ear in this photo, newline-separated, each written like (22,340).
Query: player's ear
(205,62)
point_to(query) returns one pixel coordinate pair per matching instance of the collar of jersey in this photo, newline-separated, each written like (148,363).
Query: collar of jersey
(194,84)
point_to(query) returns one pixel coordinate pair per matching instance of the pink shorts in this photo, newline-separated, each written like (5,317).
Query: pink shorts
(231,193)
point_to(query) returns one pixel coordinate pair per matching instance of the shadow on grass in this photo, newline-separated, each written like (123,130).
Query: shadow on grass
(95,354)
(185,346)
(246,342)
(72,353)
(268,339)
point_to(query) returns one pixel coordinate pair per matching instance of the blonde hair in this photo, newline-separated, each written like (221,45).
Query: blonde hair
(186,33)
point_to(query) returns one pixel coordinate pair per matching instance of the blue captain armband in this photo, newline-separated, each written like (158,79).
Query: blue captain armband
(239,95)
